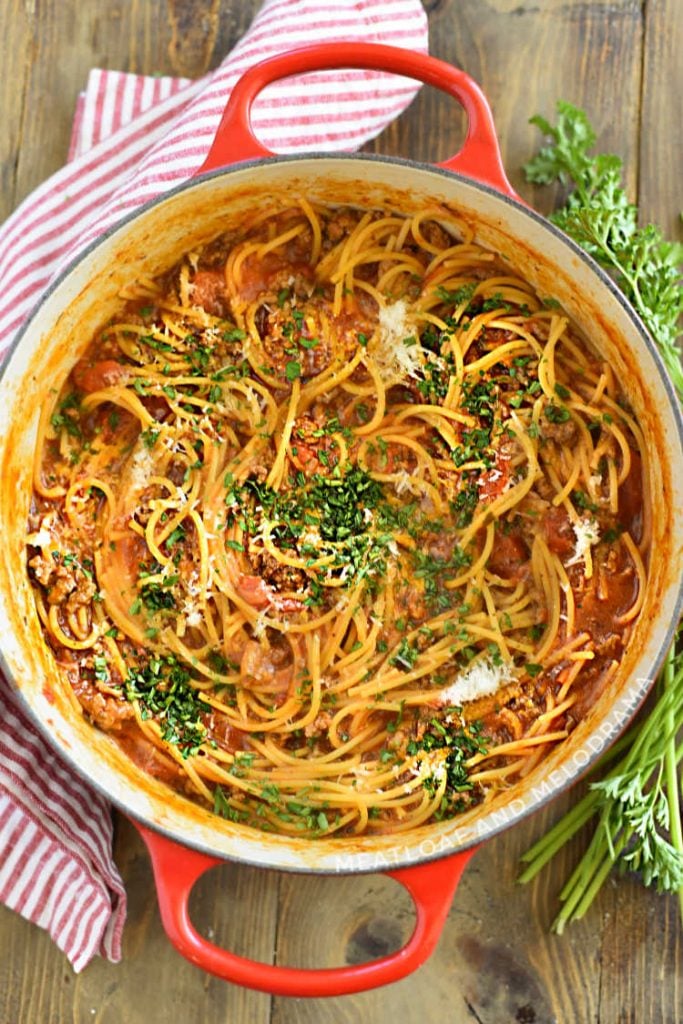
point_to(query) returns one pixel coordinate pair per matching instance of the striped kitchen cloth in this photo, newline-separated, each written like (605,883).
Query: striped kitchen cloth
(134,137)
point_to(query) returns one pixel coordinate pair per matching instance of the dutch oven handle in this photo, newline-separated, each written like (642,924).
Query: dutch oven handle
(479,157)
(177,868)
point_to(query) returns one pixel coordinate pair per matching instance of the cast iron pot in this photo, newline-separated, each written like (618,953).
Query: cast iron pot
(183,839)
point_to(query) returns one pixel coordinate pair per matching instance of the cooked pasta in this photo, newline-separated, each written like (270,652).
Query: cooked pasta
(338,526)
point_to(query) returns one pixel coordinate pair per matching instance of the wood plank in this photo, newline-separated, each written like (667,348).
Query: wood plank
(634,919)
(233,906)
(50,52)
(482,970)
(495,961)
(641,938)
(50,56)
(17,46)
(661,126)
(526,56)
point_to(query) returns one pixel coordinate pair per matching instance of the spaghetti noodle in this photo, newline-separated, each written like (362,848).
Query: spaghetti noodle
(338,526)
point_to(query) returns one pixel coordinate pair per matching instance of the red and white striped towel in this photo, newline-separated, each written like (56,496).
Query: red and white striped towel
(135,137)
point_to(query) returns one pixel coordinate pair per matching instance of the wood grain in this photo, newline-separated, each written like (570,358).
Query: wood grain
(497,962)
(526,56)
(661,126)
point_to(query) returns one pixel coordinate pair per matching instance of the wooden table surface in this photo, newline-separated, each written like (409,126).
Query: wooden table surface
(497,961)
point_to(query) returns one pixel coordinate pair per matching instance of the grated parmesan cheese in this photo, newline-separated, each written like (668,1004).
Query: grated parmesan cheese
(491,478)
(586,533)
(430,764)
(259,625)
(141,468)
(193,616)
(403,482)
(43,537)
(192,584)
(311,537)
(395,360)
(261,533)
(480,679)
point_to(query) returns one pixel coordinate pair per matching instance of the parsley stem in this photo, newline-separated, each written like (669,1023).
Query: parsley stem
(553,840)
(588,878)
(538,855)
(671,758)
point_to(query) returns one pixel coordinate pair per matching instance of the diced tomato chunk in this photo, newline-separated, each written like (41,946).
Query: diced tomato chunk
(558,531)
(493,482)
(89,377)
(510,556)
(254,591)
(208,291)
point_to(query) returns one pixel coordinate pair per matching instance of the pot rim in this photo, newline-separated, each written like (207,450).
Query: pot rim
(363,862)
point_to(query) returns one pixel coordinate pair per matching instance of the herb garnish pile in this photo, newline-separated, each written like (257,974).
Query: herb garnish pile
(461,741)
(636,804)
(319,515)
(162,689)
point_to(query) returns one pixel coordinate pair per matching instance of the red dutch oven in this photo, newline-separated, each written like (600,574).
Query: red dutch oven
(185,840)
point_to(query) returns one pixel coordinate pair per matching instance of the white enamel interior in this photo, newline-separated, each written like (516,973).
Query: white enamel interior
(152,241)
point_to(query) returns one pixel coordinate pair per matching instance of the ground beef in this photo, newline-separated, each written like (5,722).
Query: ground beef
(82,596)
(280,577)
(320,725)
(312,451)
(436,235)
(107,712)
(65,585)
(561,433)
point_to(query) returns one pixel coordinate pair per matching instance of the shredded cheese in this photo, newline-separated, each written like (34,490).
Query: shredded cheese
(395,359)
(480,679)
(259,625)
(403,482)
(430,763)
(587,534)
(141,468)
(192,614)
(43,537)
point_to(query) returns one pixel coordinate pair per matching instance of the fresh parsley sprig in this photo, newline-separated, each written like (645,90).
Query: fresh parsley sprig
(599,216)
(636,803)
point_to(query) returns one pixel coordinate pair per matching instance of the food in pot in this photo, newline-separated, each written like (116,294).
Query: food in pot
(337,526)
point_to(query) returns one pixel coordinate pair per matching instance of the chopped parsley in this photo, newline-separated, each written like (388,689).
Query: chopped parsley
(341,501)
(475,447)
(556,413)
(406,656)
(462,741)
(293,370)
(156,597)
(457,296)
(164,692)
(464,506)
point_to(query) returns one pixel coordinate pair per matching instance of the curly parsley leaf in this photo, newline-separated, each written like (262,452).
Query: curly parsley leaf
(599,216)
